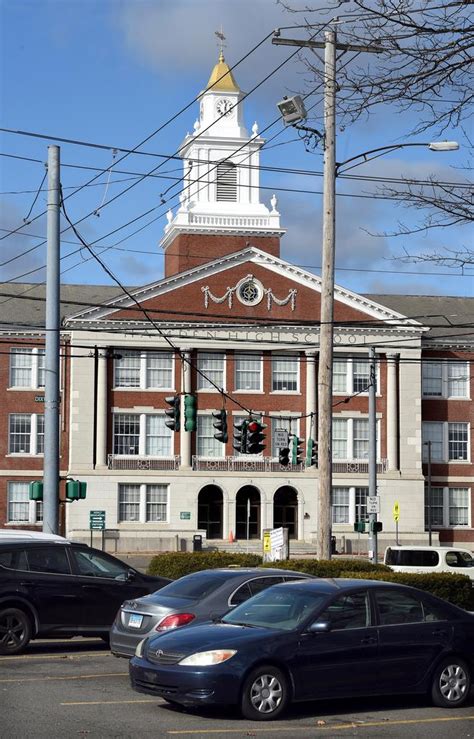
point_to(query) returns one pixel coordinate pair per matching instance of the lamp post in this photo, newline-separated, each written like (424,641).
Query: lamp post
(293,113)
(428,459)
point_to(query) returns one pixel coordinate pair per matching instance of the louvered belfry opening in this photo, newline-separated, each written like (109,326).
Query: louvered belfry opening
(227,182)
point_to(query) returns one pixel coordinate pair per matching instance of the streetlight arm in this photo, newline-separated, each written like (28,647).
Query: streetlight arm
(365,156)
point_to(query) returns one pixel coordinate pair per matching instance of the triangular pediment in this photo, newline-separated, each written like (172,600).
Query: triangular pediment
(215,292)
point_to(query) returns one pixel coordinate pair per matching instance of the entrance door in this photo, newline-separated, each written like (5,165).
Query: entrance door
(210,511)
(285,510)
(247,513)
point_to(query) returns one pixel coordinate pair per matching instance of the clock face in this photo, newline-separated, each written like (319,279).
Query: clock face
(224,106)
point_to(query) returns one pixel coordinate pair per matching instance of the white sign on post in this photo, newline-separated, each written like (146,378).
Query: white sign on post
(276,538)
(373,504)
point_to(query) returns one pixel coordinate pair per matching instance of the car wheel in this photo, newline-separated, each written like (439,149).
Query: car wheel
(15,630)
(451,683)
(265,694)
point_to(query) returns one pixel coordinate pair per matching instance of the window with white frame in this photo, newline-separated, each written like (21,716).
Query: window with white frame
(285,373)
(349,504)
(20,509)
(350,438)
(144,370)
(448,506)
(285,424)
(26,433)
(206,444)
(212,366)
(248,372)
(447,379)
(142,503)
(352,375)
(27,367)
(143,434)
(449,441)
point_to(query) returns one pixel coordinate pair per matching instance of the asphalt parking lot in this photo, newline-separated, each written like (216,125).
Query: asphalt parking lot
(76,688)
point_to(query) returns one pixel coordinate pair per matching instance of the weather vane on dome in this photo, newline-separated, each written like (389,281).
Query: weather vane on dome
(221,39)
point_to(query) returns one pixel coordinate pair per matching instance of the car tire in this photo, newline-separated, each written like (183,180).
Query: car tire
(15,630)
(265,694)
(451,683)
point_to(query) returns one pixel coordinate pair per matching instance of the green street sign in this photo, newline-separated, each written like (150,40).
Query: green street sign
(185,515)
(97,520)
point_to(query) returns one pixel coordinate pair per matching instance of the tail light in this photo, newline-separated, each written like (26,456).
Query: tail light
(174,620)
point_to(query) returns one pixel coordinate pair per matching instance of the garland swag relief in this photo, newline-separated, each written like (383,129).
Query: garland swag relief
(249,291)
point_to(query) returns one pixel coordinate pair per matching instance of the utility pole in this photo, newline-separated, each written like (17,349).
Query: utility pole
(51,394)
(325,364)
(373,543)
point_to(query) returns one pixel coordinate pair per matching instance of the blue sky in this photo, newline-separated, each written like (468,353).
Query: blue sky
(113,71)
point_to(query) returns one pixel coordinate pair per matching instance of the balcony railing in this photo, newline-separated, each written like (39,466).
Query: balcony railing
(243,464)
(356,467)
(114,462)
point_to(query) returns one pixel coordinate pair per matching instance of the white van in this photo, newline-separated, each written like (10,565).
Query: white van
(430,559)
(22,534)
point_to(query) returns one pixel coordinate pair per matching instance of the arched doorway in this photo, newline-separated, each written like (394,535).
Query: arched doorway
(210,507)
(285,510)
(247,513)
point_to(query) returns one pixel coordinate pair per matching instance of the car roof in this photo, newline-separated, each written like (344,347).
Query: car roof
(407,547)
(335,584)
(27,535)
(234,572)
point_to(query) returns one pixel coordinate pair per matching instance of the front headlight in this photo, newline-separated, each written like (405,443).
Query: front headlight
(140,647)
(202,659)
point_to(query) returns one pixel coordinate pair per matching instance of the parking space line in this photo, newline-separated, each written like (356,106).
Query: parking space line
(326,727)
(106,703)
(72,655)
(66,678)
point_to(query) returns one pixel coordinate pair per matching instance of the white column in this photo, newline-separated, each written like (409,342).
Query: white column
(392,412)
(185,436)
(311,423)
(101,410)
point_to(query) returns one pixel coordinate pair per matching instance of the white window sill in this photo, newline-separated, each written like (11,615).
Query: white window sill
(29,455)
(285,392)
(21,388)
(145,389)
(249,392)
(210,390)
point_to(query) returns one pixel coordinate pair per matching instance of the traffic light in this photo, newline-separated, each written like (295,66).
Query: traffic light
(296,450)
(173,413)
(361,527)
(255,437)
(240,436)
(375,527)
(311,453)
(35,491)
(190,413)
(221,425)
(76,490)
(284,456)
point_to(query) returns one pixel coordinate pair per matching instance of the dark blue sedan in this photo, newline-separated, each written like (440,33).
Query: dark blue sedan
(314,639)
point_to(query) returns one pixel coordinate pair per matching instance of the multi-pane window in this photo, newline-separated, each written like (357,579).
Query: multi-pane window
(142,434)
(449,507)
(448,379)
(145,370)
(19,508)
(206,445)
(27,367)
(449,441)
(352,375)
(350,438)
(143,503)
(285,371)
(211,364)
(349,504)
(26,433)
(248,372)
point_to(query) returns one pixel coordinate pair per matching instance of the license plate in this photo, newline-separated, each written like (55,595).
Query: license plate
(135,621)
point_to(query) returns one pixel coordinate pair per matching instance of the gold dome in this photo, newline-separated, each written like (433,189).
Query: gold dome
(221,78)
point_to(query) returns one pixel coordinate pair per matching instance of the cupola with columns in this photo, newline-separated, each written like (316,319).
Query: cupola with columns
(219,208)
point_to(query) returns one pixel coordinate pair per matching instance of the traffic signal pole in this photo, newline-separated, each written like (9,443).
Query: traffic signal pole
(373,543)
(52,346)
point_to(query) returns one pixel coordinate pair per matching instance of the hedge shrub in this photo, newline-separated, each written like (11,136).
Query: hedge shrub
(329,567)
(177,564)
(456,589)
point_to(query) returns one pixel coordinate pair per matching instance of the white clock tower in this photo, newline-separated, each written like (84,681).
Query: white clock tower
(220,193)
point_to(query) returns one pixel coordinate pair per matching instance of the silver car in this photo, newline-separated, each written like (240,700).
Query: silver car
(191,599)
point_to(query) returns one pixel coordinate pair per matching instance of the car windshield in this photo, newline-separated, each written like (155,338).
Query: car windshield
(279,607)
(192,587)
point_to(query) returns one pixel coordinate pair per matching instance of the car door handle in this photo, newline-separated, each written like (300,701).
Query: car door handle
(369,640)
(439,632)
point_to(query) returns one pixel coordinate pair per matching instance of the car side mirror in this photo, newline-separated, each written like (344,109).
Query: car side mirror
(131,575)
(319,627)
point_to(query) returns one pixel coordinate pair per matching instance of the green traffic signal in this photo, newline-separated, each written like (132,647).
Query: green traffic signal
(311,453)
(190,413)
(76,490)
(296,450)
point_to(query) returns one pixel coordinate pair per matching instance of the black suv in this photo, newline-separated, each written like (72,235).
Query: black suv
(62,589)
